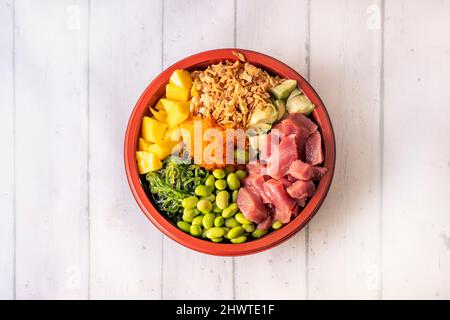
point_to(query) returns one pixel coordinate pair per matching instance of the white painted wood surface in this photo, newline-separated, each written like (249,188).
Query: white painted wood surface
(71,72)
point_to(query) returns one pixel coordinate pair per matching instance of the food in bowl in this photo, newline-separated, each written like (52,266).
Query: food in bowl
(230,154)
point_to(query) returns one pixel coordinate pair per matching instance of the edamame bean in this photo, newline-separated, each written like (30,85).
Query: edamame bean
(204,234)
(186,227)
(248,227)
(239,239)
(234,196)
(226,232)
(216,209)
(219,221)
(202,191)
(215,232)
(197,221)
(208,220)
(209,182)
(222,199)
(187,218)
(277,225)
(204,206)
(230,210)
(220,184)
(189,202)
(229,169)
(195,230)
(218,173)
(258,233)
(210,198)
(241,219)
(241,156)
(241,174)
(233,181)
(217,239)
(235,232)
(231,223)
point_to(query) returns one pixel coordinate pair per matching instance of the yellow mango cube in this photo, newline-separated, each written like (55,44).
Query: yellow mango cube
(159,105)
(177,112)
(160,115)
(194,91)
(163,149)
(147,162)
(144,145)
(153,130)
(174,92)
(181,78)
(173,134)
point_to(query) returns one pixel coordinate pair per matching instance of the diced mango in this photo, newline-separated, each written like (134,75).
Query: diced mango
(144,145)
(160,115)
(173,134)
(187,132)
(194,91)
(159,105)
(181,78)
(153,130)
(147,162)
(174,92)
(177,112)
(163,149)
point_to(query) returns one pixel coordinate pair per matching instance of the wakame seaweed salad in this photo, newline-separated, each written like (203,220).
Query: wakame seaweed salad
(175,181)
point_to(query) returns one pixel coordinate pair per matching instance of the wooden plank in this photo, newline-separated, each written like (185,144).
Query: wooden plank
(51,158)
(281,269)
(7,143)
(190,27)
(416,188)
(344,247)
(125,55)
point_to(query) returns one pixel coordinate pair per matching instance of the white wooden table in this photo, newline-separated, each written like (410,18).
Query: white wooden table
(71,72)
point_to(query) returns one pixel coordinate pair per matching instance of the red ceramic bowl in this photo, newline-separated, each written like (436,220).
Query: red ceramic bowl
(156,90)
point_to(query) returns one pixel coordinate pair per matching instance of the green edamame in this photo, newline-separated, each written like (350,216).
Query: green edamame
(204,206)
(239,239)
(217,239)
(258,233)
(202,191)
(235,232)
(241,156)
(184,226)
(241,219)
(195,230)
(218,173)
(241,174)
(216,209)
(220,184)
(219,221)
(229,169)
(277,225)
(189,202)
(233,181)
(209,182)
(198,220)
(248,227)
(231,223)
(230,210)
(210,198)
(215,232)
(208,220)
(234,196)
(222,199)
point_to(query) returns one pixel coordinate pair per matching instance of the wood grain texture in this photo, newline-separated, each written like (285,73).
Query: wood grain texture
(344,248)
(125,42)
(52,247)
(190,27)
(7,145)
(260,26)
(416,187)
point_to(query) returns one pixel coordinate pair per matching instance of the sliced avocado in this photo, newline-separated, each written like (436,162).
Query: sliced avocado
(283,90)
(261,127)
(268,114)
(281,106)
(300,104)
(294,93)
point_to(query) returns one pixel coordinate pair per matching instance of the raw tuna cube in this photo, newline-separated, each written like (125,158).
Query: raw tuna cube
(255,182)
(301,189)
(281,159)
(313,149)
(251,205)
(281,200)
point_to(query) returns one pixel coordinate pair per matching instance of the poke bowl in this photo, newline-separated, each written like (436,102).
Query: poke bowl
(278,160)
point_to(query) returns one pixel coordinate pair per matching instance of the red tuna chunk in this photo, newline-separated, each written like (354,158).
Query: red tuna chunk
(255,182)
(281,200)
(281,158)
(256,168)
(301,189)
(304,171)
(251,205)
(301,126)
(313,149)
(264,225)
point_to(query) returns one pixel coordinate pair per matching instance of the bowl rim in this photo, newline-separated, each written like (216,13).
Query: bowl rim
(270,240)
